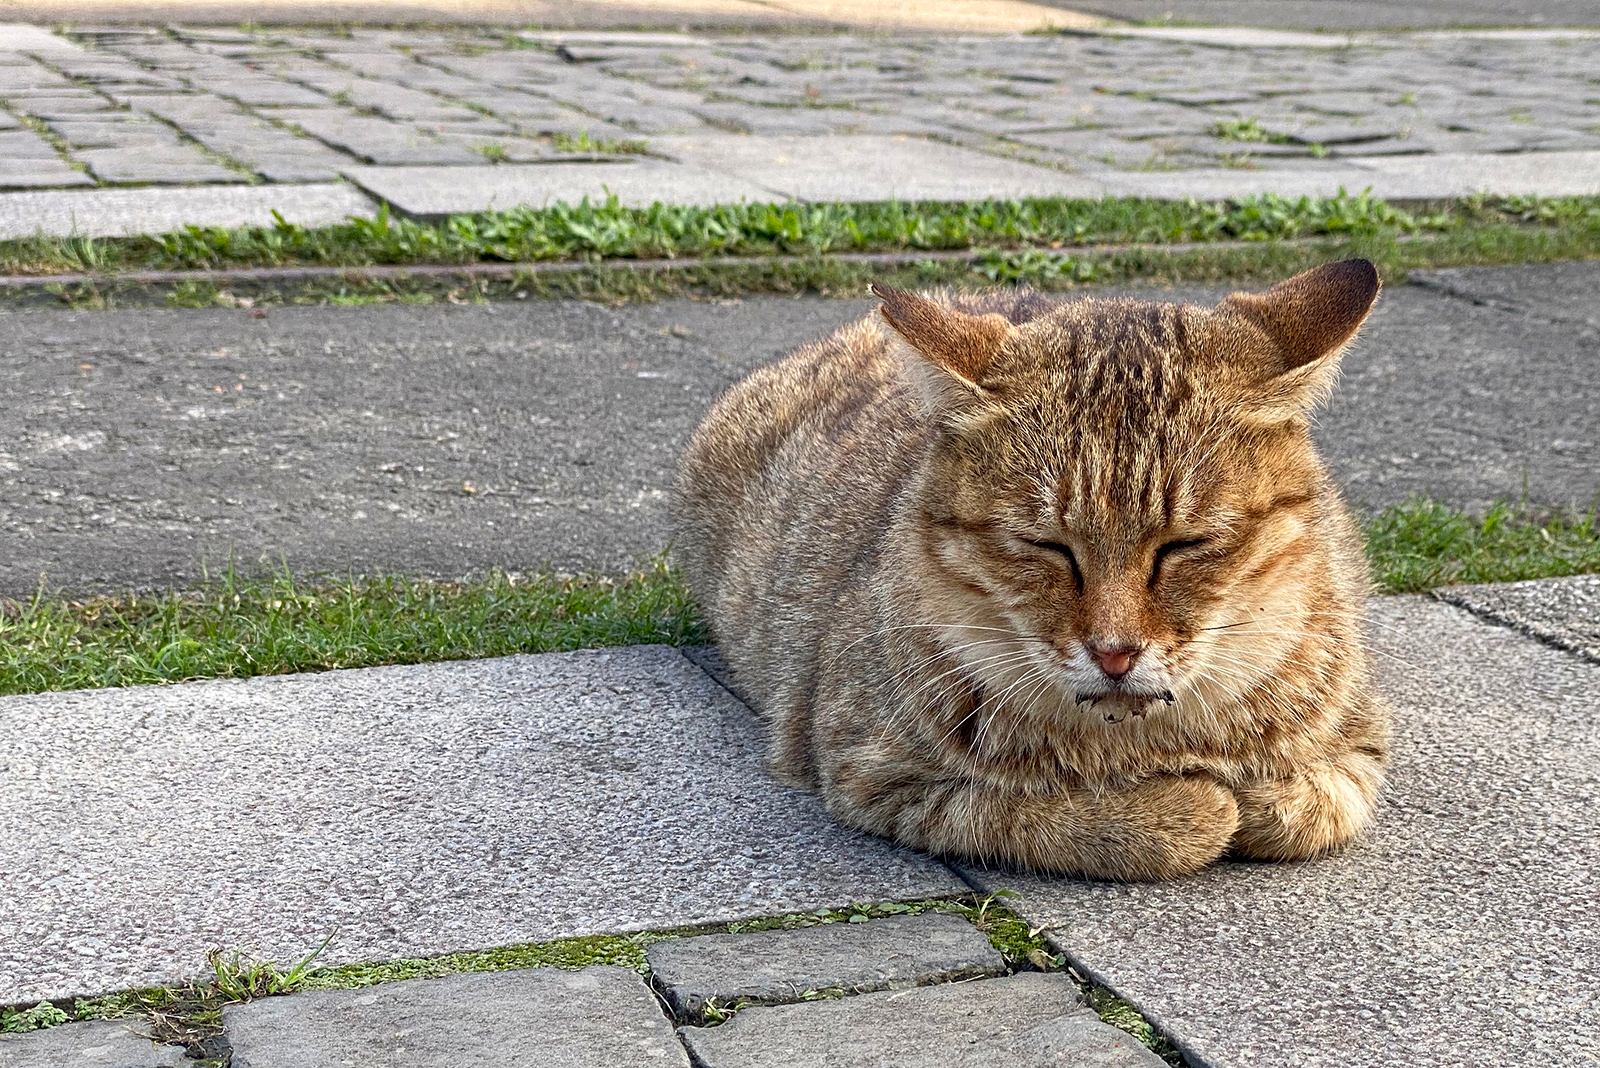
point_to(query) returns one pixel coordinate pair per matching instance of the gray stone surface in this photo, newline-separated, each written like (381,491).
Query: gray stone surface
(544,1016)
(433,192)
(1564,612)
(1468,405)
(95,1044)
(1347,14)
(1460,930)
(871,168)
(1548,174)
(1024,1020)
(141,444)
(132,457)
(408,811)
(771,966)
(121,212)
(1561,292)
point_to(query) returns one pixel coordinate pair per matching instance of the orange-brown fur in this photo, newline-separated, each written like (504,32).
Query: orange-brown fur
(916,539)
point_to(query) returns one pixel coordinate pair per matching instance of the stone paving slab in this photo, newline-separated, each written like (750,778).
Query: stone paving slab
(95,1044)
(1565,612)
(127,212)
(885,954)
(534,1016)
(1155,111)
(1565,292)
(1026,1020)
(409,810)
(846,168)
(1443,175)
(435,192)
(1461,930)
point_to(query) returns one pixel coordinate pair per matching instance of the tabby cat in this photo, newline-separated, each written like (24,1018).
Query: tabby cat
(1055,584)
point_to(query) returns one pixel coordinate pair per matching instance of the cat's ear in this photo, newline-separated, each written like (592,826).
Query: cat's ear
(960,345)
(1308,321)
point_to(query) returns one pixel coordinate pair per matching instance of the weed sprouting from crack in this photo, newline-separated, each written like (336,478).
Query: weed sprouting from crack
(241,977)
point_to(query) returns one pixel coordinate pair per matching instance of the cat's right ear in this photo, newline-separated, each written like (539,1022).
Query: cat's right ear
(960,345)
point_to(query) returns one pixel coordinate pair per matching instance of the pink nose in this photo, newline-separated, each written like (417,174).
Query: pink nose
(1115,660)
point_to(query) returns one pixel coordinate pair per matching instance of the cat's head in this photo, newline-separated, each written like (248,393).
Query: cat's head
(1122,505)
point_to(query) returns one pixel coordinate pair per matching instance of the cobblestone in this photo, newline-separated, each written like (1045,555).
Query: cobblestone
(896,952)
(1159,99)
(544,1016)
(96,1044)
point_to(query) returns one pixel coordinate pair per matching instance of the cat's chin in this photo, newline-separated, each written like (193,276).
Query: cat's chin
(1122,707)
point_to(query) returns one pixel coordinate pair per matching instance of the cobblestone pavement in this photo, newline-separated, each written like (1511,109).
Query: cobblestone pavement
(897,990)
(189,105)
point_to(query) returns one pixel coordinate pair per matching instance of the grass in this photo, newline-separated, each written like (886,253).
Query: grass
(615,281)
(1424,545)
(599,146)
(238,627)
(191,1013)
(610,231)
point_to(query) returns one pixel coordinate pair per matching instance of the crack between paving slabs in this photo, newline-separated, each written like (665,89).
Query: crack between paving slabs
(1515,623)
(1429,281)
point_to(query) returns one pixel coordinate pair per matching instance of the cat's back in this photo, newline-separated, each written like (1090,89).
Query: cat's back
(748,476)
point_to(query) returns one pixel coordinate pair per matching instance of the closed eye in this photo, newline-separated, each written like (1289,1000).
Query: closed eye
(1171,547)
(1065,552)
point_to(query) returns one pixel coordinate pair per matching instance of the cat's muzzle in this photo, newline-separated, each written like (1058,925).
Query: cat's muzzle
(1121,705)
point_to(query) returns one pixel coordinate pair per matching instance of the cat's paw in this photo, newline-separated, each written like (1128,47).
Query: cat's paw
(1317,809)
(1165,827)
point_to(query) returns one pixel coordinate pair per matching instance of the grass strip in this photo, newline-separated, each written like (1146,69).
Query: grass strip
(609,231)
(1424,545)
(238,627)
(617,281)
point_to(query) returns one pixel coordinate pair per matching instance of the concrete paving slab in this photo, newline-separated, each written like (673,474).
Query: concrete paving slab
(1469,405)
(28,37)
(1565,612)
(544,1016)
(354,429)
(1227,36)
(1445,174)
(891,953)
(869,167)
(95,1044)
(410,811)
(1349,15)
(126,212)
(1556,292)
(1021,1021)
(40,174)
(1227,184)
(436,192)
(1461,930)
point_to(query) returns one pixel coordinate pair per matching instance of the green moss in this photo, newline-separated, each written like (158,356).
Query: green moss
(624,951)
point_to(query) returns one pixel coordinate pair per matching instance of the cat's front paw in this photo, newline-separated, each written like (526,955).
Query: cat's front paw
(1309,813)
(1167,826)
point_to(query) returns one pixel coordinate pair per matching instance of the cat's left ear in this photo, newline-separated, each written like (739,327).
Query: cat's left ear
(959,344)
(1309,320)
